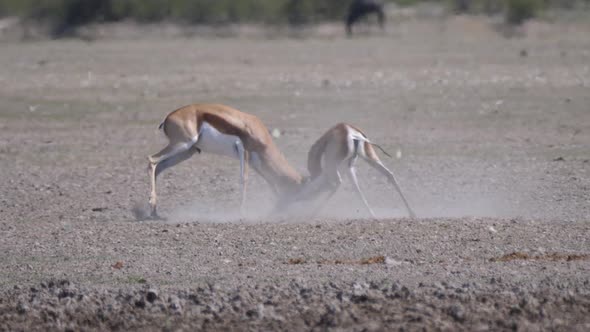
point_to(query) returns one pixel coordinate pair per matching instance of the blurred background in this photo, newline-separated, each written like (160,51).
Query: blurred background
(484,106)
(59,18)
(483,103)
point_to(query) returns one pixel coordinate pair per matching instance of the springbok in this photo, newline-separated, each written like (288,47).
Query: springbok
(340,148)
(222,130)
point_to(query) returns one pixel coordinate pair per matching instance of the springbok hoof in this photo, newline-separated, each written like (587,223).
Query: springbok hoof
(157,217)
(154,215)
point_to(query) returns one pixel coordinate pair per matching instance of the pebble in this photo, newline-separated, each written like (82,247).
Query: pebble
(276,133)
(151,295)
(392,262)
(448,304)
(140,303)
(457,312)
(22,308)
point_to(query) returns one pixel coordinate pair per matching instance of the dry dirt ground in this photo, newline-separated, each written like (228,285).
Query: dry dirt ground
(491,143)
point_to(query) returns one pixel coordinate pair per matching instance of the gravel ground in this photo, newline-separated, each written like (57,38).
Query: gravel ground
(492,145)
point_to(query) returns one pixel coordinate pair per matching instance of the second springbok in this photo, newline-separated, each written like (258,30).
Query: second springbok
(339,149)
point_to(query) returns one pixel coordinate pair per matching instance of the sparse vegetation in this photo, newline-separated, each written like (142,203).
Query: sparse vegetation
(518,11)
(68,14)
(515,12)
(192,11)
(136,280)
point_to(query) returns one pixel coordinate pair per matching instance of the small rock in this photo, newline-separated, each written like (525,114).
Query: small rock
(276,133)
(22,308)
(252,313)
(140,303)
(404,292)
(392,262)
(457,312)
(514,311)
(174,303)
(492,229)
(152,295)
(175,306)
(359,288)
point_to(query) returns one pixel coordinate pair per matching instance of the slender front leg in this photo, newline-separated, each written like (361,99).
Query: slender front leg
(243,156)
(153,197)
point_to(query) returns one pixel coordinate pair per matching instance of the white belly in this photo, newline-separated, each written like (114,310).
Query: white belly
(213,141)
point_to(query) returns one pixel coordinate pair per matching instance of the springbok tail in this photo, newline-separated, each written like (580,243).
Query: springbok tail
(380,148)
(364,139)
(162,127)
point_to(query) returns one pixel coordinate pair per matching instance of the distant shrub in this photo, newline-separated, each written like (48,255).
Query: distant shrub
(518,11)
(298,12)
(461,6)
(488,7)
(68,14)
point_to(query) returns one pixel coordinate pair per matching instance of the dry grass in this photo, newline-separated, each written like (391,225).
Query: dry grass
(296,261)
(553,257)
(364,261)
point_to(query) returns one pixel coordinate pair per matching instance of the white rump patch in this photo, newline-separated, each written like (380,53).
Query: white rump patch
(354,135)
(213,141)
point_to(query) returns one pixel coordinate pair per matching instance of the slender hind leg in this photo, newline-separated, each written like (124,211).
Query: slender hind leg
(352,175)
(174,160)
(376,163)
(171,155)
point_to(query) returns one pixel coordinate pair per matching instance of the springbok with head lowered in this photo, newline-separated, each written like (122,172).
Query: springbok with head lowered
(223,130)
(338,149)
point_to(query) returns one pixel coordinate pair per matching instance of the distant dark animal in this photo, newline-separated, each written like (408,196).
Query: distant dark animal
(361,8)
